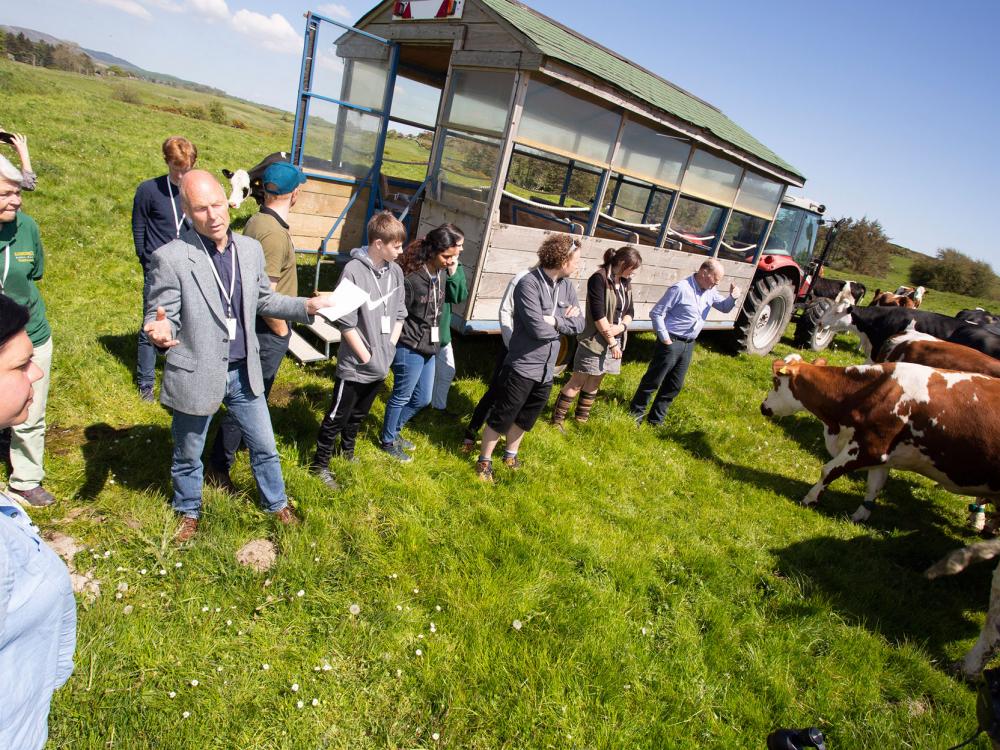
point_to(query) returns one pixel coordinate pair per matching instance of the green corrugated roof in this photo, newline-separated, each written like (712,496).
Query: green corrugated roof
(561,43)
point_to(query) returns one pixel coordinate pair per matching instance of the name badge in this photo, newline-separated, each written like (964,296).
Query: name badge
(386,324)
(231,327)
(435,335)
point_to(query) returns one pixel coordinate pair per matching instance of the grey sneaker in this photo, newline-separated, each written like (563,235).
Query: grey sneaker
(405,444)
(38,496)
(325,476)
(397,453)
(146,393)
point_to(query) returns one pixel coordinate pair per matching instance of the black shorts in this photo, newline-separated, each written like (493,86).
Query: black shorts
(520,401)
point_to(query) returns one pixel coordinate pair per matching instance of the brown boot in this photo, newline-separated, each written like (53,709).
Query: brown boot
(584,405)
(286,516)
(187,530)
(561,409)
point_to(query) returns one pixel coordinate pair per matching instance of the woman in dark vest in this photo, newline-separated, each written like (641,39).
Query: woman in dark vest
(599,348)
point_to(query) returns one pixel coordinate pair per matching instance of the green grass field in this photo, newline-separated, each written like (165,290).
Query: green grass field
(670,591)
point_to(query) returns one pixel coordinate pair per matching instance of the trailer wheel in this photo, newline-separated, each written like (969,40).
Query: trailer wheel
(765,314)
(808,332)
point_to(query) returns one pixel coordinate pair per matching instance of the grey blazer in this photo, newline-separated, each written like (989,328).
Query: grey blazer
(182,283)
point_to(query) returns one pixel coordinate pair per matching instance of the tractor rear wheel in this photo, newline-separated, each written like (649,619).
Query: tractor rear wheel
(808,331)
(765,314)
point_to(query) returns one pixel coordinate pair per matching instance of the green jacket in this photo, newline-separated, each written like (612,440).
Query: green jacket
(456,289)
(23,257)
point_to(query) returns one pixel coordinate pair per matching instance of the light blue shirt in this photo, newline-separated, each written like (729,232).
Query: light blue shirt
(37,629)
(683,309)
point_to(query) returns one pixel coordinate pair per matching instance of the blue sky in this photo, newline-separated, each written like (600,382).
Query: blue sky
(890,108)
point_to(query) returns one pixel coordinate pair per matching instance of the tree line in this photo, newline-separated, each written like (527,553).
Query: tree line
(863,247)
(45,55)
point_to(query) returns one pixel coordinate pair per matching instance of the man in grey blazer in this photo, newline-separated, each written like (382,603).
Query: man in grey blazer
(206,289)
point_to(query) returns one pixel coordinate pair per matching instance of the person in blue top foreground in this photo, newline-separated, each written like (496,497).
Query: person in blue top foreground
(37,609)
(678,319)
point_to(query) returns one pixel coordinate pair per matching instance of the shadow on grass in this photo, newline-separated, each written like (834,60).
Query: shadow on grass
(122,346)
(877,582)
(901,506)
(136,457)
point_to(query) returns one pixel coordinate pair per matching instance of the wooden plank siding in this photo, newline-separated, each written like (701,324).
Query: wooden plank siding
(433,215)
(318,206)
(513,248)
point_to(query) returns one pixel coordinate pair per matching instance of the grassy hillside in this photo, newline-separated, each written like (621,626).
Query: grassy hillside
(670,590)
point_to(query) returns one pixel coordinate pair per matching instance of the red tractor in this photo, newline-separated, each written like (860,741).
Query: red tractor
(781,287)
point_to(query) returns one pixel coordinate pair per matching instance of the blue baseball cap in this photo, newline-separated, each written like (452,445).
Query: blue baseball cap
(282,178)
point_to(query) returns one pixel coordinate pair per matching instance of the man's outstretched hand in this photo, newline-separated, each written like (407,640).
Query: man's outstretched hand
(318,302)
(160,332)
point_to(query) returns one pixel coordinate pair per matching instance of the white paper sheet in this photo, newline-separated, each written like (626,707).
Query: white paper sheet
(347,298)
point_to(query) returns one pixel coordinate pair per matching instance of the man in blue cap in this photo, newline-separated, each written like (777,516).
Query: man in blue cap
(282,183)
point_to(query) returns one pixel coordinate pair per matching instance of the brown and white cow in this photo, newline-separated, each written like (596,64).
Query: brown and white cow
(939,423)
(905,296)
(957,561)
(919,348)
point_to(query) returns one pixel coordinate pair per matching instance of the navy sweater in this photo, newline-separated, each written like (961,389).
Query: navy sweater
(153,224)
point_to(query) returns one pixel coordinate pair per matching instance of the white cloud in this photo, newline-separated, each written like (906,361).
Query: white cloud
(127,6)
(336,10)
(168,5)
(272,32)
(212,10)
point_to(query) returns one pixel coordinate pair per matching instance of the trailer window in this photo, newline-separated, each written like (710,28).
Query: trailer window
(339,140)
(468,164)
(695,225)
(350,67)
(633,210)
(712,178)
(758,195)
(411,130)
(742,239)
(561,121)
(652,154)
(547,191)
(480,100)
(786,228)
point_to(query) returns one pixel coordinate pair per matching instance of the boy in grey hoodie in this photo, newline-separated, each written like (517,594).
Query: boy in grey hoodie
(368,340)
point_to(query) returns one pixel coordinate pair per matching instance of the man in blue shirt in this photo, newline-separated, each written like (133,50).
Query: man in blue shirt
(677,319)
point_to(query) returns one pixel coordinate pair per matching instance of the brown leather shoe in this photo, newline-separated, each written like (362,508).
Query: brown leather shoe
(187,530)
(287,517)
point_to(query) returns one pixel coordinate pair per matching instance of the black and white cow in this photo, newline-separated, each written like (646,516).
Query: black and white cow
(246,183)
(876,325)
(832,289)
(981,317)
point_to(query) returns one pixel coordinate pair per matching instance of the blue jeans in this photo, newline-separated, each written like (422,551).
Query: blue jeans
(189,432)
(229,437)
(412,385)
(145,363)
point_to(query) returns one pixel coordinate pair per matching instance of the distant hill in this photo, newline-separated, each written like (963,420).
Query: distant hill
(104,60)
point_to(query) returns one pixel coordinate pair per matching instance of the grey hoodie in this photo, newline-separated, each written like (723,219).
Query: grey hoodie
(385,290)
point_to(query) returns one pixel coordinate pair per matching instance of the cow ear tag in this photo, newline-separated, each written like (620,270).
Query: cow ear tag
(783,371)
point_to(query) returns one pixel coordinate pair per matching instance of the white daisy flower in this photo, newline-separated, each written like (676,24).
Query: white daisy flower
(265,667)
(354,609)
(300,593)
(516,624)
(185,714)
(295,687)
(194,683)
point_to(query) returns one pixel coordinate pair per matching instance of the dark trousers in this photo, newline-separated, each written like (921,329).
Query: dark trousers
(350,405)
(145,362)
(229,437)
(482,409)
(665,377)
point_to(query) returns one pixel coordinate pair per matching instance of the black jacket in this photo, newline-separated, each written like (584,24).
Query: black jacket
(424,302)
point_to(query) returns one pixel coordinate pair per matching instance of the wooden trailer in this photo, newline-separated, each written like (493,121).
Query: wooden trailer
(489,115)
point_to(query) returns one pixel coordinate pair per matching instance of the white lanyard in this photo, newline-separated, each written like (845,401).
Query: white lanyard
(555,291)
(6,264)
(435,285)
(173,207)
(218,280)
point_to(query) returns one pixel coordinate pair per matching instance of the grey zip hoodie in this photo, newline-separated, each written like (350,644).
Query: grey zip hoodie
(385,291)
